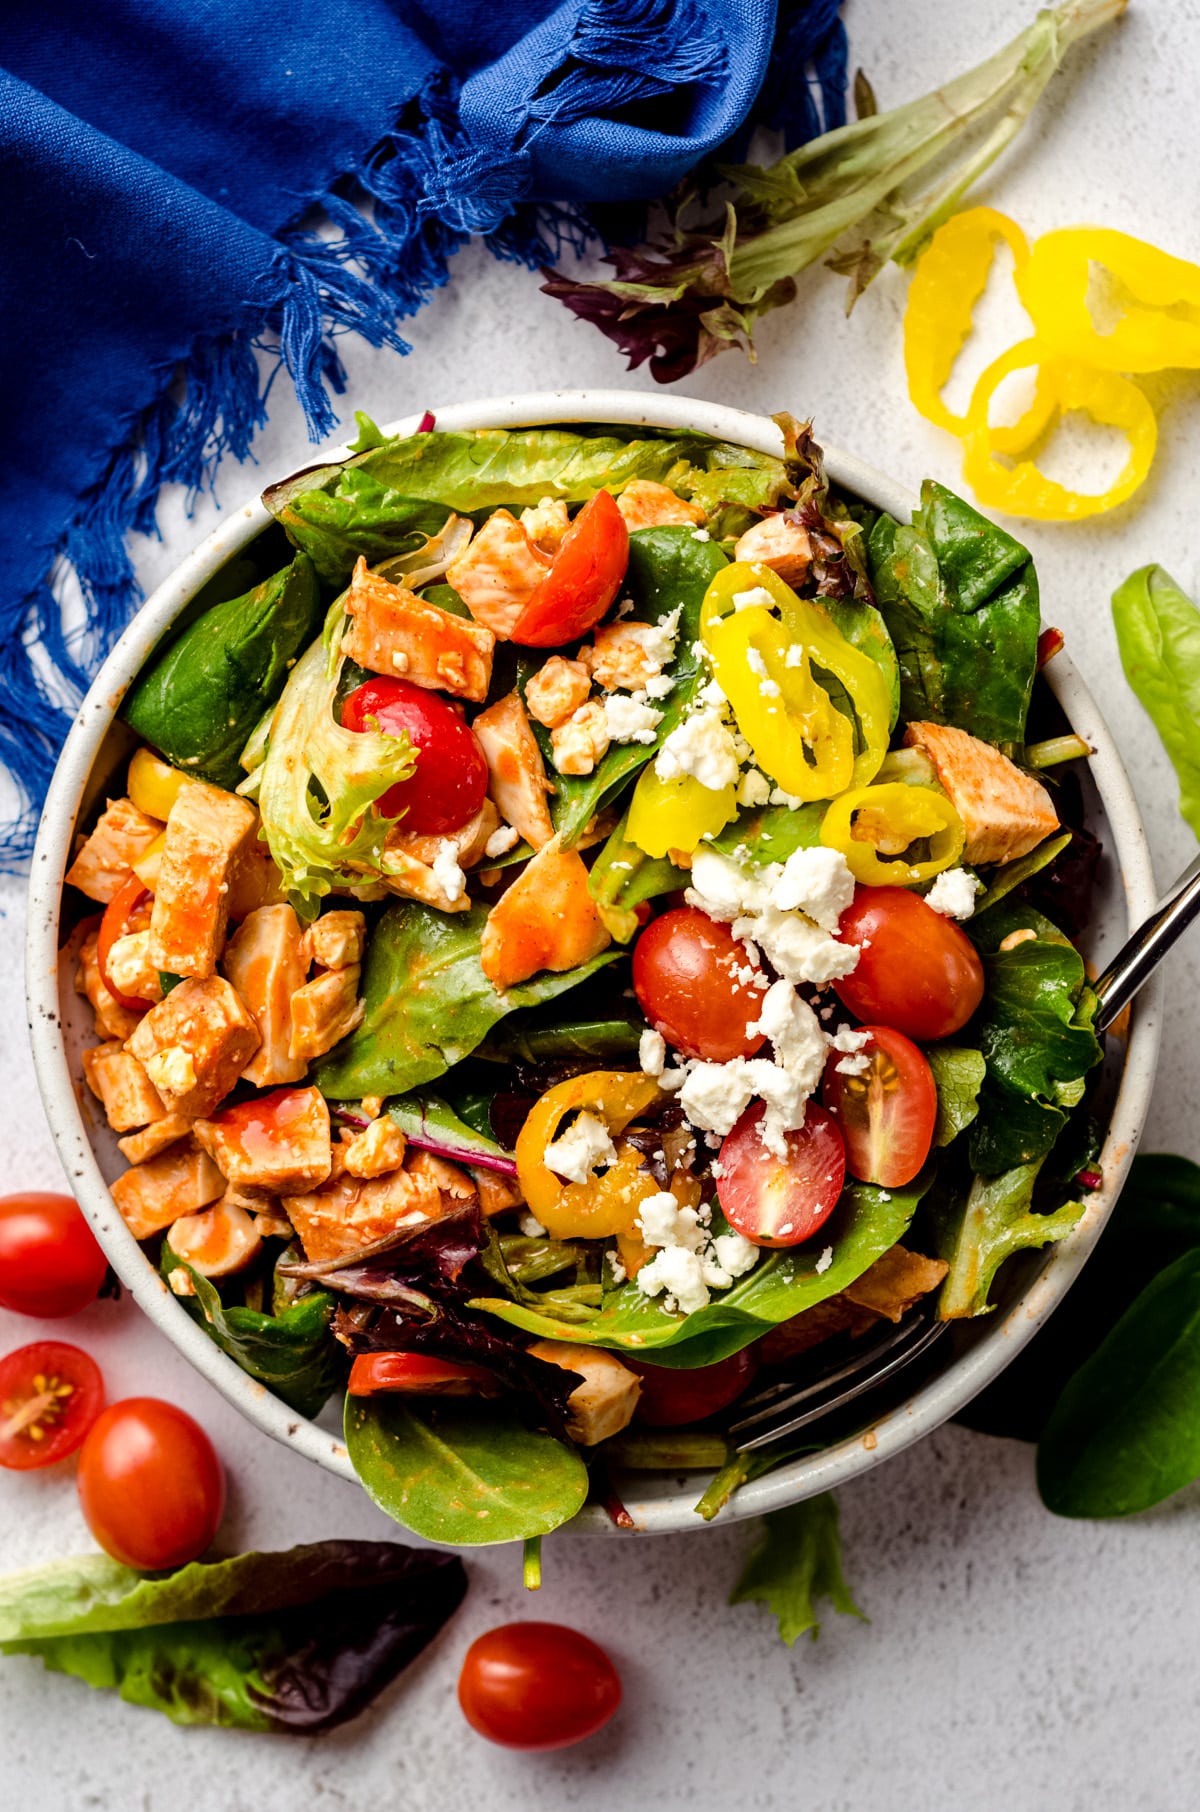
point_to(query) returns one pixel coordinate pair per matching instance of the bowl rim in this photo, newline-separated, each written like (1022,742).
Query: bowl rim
(941,1396)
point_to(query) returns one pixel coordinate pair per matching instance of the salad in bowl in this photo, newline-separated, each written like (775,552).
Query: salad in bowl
(584,923)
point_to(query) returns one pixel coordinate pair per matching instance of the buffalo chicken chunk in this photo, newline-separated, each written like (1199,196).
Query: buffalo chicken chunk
(499,573)
(349,1213)
(603,1404)
(122,835)
(645,504)
(279,1142)
(179,1181)
(517,781)
(267,961)
(207,832)
(1005,813)
(393,631)
(122,1085)
(195,1044)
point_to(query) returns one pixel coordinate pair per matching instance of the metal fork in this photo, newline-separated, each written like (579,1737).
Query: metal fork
(783,1408)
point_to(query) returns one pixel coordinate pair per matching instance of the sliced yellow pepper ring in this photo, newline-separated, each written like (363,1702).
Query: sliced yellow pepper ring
(874,824)
(948,282)
(1056,285)
(154,785)
(676,814)
(1023,489)
(607,1203)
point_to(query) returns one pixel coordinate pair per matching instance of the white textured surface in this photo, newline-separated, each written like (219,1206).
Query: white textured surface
(1010,1658)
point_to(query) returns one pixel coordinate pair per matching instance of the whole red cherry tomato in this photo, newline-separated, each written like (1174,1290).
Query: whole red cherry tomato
(50,1394)
(689,974)
(127,911)
(781,1202)
(671,1396)
(150,1484)
(451,776)
(886,1109)
(50,1262)
(583,581)
(918,971)
(537,1686)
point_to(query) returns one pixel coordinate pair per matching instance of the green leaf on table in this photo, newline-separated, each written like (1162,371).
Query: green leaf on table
(958,1073)
(428,1003)
(797,1562)
(295,1642)
(462,1472)
(998,1220)
(1158,634)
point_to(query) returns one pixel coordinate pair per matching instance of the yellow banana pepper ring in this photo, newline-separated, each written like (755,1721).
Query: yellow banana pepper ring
(608,1202)
(874,824)
(676,814)
(1057,280)
(949,280)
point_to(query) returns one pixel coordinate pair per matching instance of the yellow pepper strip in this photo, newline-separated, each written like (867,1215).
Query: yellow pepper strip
(609,1202)
(1057,280)
(676,814)
(154,785)
(1023,489)
(874,823)
(949,280)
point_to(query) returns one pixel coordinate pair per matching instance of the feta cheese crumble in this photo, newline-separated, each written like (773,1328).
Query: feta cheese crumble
(750,899)
(652,1052)
(628,719)
(753,788)
(701,747)
(502,840)
(757,594)
(579,1151)
(446,872)
(823,1263)
(688,1262)
(953,893)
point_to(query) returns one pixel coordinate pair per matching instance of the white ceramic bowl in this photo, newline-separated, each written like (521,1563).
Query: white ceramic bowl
(60,1026)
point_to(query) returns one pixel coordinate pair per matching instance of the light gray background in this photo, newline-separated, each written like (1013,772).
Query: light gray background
(1010,1659)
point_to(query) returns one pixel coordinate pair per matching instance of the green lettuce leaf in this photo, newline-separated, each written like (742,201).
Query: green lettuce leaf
(426,1116)
(958,1073)
(960,599)
(798,1560)
(1158,634)
(771,833)
(428,1003)
(998,1220)
(622,875)
(294,1642)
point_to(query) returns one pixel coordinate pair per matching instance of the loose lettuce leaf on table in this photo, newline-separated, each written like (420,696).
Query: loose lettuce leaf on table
(1158,634)
(797,1561)
(960,599)
(294,1642)
(428,1002)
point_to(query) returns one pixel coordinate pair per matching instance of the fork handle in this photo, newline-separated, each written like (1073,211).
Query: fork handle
(1137,959)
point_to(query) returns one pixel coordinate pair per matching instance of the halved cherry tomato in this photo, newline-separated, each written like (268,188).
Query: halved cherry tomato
(50,1394)
(451,776)
(417,1375)
(918,972)
(537,1686)
(50,1261)
(126,912)
(688,975)
(583,581)
(671,1396)
(775,1203)
(886,1111)
(150,1484)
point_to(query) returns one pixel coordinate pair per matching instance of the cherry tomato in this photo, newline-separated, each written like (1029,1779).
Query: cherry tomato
(772,1202)
(918,972)
(687,972)
(417,1375)
(451,776)
(671,1397)
(150,1484)
(50,1263)
(127,911)
(50,1394)
(887,1111)
(537,1686)
(583,581)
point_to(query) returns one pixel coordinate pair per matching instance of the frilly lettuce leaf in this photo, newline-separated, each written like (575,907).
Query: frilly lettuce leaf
(797,1561)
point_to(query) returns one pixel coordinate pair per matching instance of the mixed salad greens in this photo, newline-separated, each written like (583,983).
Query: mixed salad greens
(581,931)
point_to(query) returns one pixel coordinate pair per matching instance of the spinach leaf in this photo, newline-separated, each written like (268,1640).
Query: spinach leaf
(428,1120)
(295,1642)
(198,699)
(543,1041)
(1158,634)
(864,627)
(1126,1431)
(292,1353)
(960,599)
(998,1220)
(958,1073)
(466,1473)
(771,833)
(865,1224)
(622,876)
(428,1002)
(798,1560)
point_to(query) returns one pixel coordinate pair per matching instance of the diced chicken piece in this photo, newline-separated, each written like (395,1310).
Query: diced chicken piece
(267,961)
(272,1223)
(892,1285)
(517,781)
(180,1181)
(325,1010)
(414,880)
(468,844)
(256,882)
(625,656)
(279,1142)
(547,919)
(139,1146)
(547,524)
(1005,813)
(496,1192)
(207,834)
(556,691)
(779,543)
(348,1214)
(336,940)
(582,741)
(130,969)
(122,835)
(455,1185)
(112,1019)
(645,504)
(216,1242)
(393,631)
(244,1195)
(605,1401)
(372,1106)
(376,1150)
(499,573)
(195,1044)
(119,1081)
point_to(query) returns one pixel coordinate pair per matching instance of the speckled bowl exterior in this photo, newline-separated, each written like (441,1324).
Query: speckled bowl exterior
(59,1028)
